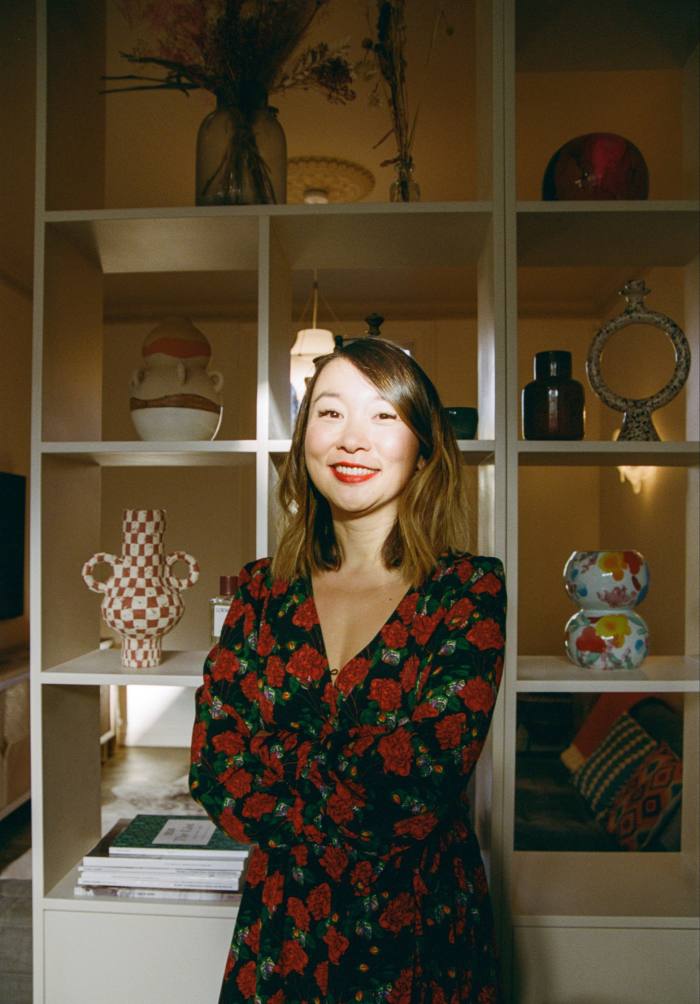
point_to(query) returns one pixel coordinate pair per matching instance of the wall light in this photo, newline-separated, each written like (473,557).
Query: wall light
(636,476)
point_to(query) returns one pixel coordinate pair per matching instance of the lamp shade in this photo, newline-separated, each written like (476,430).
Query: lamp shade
(313,342)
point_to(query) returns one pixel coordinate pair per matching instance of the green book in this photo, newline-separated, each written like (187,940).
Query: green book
(176,836)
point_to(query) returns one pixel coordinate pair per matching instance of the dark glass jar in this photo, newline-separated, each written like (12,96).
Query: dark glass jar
(553,403)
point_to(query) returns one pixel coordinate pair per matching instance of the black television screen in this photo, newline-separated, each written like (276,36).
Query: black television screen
(12,493)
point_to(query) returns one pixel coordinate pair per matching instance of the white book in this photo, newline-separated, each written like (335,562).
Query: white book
(186,895)
(147,881)
(166,866)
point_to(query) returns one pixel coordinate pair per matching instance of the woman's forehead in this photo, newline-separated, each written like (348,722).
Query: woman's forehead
(341,375)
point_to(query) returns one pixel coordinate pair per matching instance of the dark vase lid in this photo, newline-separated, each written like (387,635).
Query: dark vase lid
(555,363)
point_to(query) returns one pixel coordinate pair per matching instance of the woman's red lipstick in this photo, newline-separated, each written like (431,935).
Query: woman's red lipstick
(345,475)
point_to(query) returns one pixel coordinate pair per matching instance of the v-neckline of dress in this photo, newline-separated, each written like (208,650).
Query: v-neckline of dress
(318,632)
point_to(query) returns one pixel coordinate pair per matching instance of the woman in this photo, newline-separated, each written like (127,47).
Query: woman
(347,701)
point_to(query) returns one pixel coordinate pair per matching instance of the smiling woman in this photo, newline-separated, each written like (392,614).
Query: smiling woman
(346,704)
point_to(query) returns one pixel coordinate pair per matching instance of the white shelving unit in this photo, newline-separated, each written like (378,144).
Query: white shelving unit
(565,920)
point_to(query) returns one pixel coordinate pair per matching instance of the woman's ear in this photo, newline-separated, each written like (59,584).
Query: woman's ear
(420,463)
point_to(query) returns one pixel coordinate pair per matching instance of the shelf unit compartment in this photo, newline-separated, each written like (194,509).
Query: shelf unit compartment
(580,71)
(607,234)
(587,508)
(551,813)
(69,790)
(104,667)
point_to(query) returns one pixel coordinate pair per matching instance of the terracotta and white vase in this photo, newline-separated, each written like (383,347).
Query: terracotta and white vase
(173,395)
(607,632)
(141,599)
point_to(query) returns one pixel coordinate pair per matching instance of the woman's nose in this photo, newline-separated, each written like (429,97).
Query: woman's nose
(353,435)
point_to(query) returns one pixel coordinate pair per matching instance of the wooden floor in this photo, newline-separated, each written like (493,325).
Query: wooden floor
(132,766)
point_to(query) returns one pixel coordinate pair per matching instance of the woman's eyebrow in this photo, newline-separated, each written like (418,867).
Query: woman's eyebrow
(325,393)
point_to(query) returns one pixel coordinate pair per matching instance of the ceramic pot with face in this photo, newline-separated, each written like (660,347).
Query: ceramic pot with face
(173,395)
(141,599)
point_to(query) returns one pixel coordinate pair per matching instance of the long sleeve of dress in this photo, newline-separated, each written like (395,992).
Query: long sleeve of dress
(243,769)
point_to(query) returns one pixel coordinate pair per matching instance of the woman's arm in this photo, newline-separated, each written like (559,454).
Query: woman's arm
(243,770)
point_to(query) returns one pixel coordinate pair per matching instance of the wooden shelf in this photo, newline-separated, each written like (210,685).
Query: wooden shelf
(217,238)
(591,453)
(219,453)
(613,885)
(97,668)
(657,674)
(629,234)
(61,898)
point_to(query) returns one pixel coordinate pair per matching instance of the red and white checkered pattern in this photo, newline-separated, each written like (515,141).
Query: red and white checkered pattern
(141,599)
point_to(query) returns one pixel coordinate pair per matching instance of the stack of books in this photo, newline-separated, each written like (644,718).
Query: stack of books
(164,857)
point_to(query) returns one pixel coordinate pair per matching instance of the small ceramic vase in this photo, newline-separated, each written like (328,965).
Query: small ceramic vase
(173,396)
(141,598)
(607,633)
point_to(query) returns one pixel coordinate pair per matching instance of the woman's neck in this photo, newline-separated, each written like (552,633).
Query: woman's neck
(361,541)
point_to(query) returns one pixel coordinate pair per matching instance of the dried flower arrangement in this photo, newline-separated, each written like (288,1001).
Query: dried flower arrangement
(240,50)
(385,61)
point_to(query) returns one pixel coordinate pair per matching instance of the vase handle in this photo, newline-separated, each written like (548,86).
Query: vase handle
(98,559)
(192,575)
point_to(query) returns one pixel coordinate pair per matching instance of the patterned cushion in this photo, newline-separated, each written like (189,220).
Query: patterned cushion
(612,764)
(600,719)
(649,797)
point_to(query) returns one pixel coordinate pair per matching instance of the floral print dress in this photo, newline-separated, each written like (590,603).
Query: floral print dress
(366,883)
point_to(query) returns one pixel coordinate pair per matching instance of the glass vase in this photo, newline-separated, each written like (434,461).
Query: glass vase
(404,188)
(241,158)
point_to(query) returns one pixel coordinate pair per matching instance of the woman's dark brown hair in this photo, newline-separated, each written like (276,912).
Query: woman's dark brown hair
(432,513)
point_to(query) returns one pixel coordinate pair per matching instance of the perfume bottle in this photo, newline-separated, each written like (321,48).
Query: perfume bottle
(553,404)
(218,605)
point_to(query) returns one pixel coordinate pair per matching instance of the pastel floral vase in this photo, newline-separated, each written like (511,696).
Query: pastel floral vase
(141,599)
(607,632)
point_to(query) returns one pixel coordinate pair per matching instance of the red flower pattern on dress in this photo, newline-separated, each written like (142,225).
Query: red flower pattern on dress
(409,671)
(266,640)
(387,694)
(394,635)
(319,901)
(424,626)
(337,944)
(449,730)
(399,913)
(353,674)
(334,861)
(486,634)
(458,615)
(478,695)
(247,978)
(272,890)
(230,743)
(257,866)
(307,664)
(225,665)
(293,959)
(396,752)
(305,615)
(334,785)
(298,912)
(488,583)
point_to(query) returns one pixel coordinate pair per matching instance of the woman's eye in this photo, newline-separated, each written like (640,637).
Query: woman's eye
(328,413)
(386,414)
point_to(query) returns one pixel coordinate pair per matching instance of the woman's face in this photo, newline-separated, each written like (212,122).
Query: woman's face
(359,454)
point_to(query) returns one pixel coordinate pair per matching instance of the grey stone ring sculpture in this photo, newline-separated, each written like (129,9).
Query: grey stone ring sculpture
(637,421)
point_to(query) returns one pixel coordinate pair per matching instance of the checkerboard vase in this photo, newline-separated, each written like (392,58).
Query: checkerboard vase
(141,599)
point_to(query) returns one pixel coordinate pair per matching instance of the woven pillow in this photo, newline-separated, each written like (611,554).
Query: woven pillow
(612,764)
(646,801)
(600,719)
